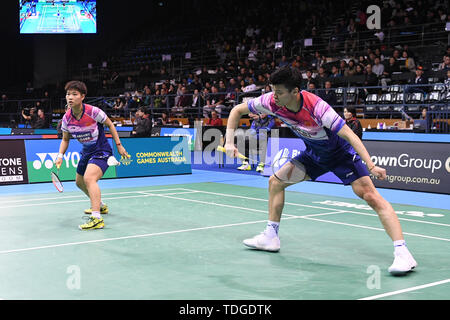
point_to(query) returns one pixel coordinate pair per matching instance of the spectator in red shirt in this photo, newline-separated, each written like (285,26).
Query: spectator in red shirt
(214,120)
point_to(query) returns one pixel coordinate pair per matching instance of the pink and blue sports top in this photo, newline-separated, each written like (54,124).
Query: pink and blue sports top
(88,130)
(316,123)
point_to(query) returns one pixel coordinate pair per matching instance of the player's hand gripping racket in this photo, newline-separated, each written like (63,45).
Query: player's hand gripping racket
(56,181)
(240,155)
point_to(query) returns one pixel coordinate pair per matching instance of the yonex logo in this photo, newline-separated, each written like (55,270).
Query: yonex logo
(70,158)
(281,157)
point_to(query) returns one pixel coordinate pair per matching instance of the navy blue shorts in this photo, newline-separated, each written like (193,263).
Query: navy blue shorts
(348,167)
(99,158)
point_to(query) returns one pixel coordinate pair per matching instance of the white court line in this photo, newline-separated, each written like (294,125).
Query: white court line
(231,206)
(87,200)
(147,235)
(82,195)
(387,294)
(316,207)
(374,228)
(305,217)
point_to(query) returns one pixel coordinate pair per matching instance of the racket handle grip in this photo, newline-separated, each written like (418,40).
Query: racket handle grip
(222,149)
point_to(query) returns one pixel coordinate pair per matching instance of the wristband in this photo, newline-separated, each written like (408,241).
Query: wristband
(60,156)
(118,144)
(371,168)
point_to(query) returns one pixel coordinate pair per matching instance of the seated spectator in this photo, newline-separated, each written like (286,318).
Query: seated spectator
(445,65)
(328,95)
(351,68)
(378,67)
(342,67)
(129,84)
(370,80)
(217,101)
(163,120)
(408,63)
(321,77)
(352,122)
(419,80)
(41,122)
(391,67)
(335,72)
(311,87)
(184,101)
(214,120)
(309,79)
(447,81)
(143,127)
(147,96)
(118,106)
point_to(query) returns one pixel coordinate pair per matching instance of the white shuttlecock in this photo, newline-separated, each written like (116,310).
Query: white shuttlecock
(112,162)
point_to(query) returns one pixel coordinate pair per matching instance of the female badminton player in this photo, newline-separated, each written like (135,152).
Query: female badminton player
(330,146)
(85,123)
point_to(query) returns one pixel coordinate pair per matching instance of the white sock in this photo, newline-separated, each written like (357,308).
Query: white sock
(96,214)
(400,245)
(272,229)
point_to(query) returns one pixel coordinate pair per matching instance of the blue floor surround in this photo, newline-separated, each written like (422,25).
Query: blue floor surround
(251,179)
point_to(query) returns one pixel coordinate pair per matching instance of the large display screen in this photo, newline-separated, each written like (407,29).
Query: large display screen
(57,16)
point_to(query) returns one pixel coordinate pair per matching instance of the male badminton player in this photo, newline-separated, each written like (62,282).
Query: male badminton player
(330,146)
(85,123)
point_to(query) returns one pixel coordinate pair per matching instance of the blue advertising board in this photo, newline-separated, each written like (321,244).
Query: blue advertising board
(5,131)
(154,157)
(41,156)
(191,133)
(290,147)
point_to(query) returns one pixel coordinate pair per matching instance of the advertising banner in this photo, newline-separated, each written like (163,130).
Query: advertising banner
(41,156)
(290,147)
(13,164)
(5,131)
(155,156)
(191,133)
(416,166)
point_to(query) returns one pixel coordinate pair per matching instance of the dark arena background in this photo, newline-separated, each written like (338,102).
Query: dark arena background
(179,209)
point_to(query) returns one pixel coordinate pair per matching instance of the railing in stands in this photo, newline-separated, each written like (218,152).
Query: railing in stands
(404,102)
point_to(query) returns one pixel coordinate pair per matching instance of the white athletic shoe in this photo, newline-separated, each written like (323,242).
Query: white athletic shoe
(262,242)
(403,263)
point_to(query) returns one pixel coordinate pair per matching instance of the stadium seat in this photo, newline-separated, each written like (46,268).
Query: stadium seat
(399,98)
(372,98)
(352,95)
(438,87)
(387,98)
(414,98)
(395,89)
(433,97)
(339,95)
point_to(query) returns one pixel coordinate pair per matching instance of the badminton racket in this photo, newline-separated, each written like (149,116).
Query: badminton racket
(56,181)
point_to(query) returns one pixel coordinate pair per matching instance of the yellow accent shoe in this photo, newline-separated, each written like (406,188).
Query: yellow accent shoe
(93,223)
(245,167)
(103,210)
(260,167)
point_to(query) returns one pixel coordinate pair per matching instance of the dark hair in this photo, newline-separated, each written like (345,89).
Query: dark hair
(291,78)
(143,110)
(76,85)
(352,110)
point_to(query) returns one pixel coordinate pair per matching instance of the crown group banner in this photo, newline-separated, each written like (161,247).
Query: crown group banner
(29,161)
(415,166)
